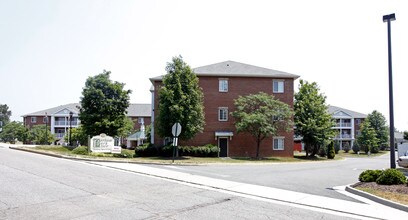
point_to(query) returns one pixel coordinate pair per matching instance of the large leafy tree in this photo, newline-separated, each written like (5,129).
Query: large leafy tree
(5,114)
(367,139)
(13,131)
(181,100)
(262,116)
(312,120)
(78,136)
(103,105)
(40,135)
(379,124)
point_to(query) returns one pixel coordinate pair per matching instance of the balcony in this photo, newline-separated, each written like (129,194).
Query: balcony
(66,123)
(343,136)
(59,135)
(343,125)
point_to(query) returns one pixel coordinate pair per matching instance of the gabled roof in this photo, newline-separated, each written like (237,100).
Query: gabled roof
(232,68)
(134,110)
(70,107)
(334,109)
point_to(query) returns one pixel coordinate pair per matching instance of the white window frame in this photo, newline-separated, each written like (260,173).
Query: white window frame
(226,113)
(278,88)
(223,85)
(140,120)
(33,119)
(279,147)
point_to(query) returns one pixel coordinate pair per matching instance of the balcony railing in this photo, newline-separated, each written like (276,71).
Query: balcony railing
(66,123)
(343,125)
(59,135)
(340,136)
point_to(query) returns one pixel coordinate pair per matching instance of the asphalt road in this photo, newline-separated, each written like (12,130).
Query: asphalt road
(317,178)
(40,187)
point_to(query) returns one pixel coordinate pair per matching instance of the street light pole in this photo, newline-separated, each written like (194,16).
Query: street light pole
(70,127)
(388,19)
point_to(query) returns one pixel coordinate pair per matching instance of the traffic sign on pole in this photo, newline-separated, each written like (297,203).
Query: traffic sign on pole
(176,129)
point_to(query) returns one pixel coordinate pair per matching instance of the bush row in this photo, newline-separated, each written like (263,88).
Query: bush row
(167,151)
(386,177)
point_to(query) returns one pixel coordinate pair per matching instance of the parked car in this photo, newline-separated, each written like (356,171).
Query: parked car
(403,161)
(403,155)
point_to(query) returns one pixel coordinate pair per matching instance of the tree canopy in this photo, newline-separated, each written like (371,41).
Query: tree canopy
(103,105)
(379,124)
(38,134)
(5,114)
(181,100)
(312,119)
(14,130)
(367,139)
(262,116)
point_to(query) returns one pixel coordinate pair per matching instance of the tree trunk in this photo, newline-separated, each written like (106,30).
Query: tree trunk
(258,140)
(307,149)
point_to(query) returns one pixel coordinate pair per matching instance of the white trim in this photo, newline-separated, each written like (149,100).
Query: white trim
(278,147)
(219,113)
(35,119)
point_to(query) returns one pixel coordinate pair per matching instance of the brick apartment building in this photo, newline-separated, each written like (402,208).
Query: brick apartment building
(347,124)
(57,118)
(221,84)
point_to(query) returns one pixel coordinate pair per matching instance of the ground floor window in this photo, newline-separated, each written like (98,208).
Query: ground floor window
(279,143)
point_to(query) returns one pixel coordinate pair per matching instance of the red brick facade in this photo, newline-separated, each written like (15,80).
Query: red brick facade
(241,144)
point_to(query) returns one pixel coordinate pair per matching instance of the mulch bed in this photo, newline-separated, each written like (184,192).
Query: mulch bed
(403,188)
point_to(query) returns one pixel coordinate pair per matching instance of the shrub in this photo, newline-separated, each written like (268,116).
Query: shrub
(146,150)
(81,150)
(124,153)
(336,147)
(346,147)
(374,149)
(369,175)
(391,177)
(167,151)
(331,151)
(322,152)
(356,148)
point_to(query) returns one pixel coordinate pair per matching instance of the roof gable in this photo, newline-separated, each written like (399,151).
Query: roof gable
(341,114)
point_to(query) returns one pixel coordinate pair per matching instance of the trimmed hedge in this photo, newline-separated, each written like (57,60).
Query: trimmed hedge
(391,177)
(167,151)
(369,175)
(81,150)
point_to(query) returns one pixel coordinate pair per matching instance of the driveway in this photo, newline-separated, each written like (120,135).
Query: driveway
(317,178)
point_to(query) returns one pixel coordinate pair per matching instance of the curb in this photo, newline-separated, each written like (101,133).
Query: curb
(377,199)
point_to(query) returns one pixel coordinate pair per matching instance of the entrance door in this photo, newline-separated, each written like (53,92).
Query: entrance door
(223,145)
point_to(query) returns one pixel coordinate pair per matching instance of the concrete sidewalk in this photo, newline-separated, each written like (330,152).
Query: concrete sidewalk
(366,210)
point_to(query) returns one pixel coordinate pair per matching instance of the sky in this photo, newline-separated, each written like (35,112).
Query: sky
(48,48)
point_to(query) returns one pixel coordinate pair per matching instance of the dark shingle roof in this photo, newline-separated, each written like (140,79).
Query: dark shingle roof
(134,110)
(232,68)
(334,109)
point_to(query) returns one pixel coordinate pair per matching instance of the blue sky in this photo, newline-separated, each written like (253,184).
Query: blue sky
(49,48)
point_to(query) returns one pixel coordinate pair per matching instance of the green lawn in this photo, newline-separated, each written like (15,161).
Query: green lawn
(362,154)
(300,157)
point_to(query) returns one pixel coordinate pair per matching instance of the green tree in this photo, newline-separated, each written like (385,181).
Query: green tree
(312,120)
(14,130)
(5,114)
(331,151)
(405,135)
(378,123)
(77,135)
(367,139)
(181,100)
(40,135)
(262,116)
(103,105)
(127,128)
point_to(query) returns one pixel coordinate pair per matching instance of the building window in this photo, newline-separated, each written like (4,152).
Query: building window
(223,114)
(140,120)
(223,85)
(33,119)
(278,86)
(45,120)
(279,143)
(358,121)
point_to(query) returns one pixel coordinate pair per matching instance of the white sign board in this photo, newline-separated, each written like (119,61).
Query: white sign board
(102,143)
(176,129)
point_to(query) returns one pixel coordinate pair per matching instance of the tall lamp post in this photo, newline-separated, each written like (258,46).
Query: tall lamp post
(388,19)
(70,127)
(46,132)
